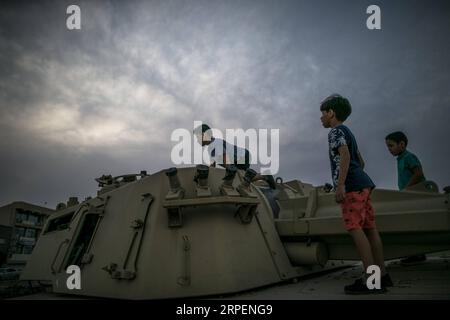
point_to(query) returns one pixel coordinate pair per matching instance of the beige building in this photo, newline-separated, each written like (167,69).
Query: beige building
(20,225)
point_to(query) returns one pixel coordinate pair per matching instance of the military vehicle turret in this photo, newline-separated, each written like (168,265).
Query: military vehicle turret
(202,231)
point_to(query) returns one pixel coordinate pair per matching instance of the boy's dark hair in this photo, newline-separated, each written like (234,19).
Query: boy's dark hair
(397,136)
(202,129)
(340,105)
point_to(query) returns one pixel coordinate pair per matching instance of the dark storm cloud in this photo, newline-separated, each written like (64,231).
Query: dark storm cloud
(105,99)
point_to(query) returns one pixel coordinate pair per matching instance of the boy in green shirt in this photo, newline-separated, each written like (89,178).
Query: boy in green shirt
(409,171)
(408,165)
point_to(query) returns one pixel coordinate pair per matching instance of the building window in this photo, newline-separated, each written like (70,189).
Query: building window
(27,249)
(20,232)
(34,219)
(20,217)
(17,249)
(41,220)
(30,233)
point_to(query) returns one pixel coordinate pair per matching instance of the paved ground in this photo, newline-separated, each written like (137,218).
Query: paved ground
(428,280)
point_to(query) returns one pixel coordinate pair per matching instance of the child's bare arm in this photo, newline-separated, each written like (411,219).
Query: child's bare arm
(416,177)
(343,170)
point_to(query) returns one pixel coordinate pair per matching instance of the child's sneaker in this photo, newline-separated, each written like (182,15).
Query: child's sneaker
(386,281)
(360,287)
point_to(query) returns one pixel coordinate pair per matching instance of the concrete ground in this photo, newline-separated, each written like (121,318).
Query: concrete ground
(427,280)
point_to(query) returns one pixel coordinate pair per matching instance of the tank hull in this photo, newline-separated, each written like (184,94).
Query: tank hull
(154,238)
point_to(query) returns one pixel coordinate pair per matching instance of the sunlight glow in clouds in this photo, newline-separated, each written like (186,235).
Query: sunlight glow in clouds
(87,106)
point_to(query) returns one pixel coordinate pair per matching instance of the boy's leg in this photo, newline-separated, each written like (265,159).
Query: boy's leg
(363,247)
(377,248)
(372,234)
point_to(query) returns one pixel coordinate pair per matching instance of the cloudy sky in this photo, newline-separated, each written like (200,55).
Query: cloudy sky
(105,99)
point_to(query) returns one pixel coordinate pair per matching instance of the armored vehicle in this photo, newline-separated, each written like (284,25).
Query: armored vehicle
(201,231)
